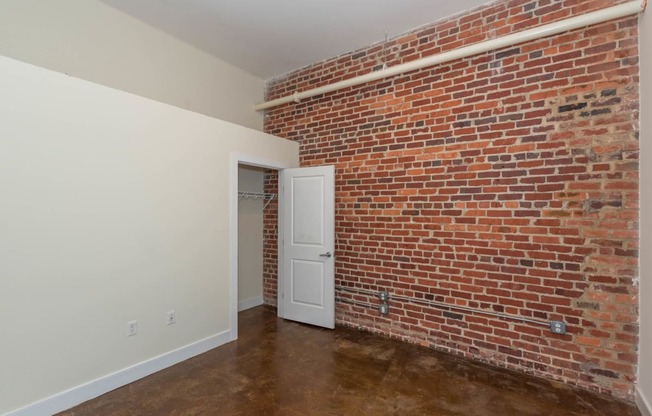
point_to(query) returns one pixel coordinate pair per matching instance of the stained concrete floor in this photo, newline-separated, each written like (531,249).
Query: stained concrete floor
(284,368)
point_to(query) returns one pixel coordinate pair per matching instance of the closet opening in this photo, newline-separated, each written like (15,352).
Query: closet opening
(254,231)
(257,236)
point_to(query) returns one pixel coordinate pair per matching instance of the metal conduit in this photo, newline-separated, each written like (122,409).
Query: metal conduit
(465,309)
(356,303)
(577,22)
(442,305)
(356,290)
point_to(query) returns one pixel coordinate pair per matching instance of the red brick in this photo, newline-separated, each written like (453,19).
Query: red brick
(509,188)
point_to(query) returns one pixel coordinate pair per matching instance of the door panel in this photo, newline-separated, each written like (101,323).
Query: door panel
(307,283)
(308,266)
(308,211)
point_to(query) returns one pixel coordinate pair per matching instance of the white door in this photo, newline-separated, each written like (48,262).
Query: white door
(307,272)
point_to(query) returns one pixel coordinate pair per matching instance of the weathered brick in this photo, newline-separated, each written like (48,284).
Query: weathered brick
(505,181)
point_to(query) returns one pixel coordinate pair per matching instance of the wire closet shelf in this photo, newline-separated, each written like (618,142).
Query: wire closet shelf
(266,197)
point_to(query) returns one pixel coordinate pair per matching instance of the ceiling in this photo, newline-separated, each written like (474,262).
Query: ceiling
(268,38)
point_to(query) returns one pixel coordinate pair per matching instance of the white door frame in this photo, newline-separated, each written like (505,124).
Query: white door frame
(251,160)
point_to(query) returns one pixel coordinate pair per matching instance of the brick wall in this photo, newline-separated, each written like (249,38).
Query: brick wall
(270,240)
(507,181)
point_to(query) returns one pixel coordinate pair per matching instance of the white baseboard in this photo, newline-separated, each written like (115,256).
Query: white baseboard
(250,303)
(643,403)
(76,395)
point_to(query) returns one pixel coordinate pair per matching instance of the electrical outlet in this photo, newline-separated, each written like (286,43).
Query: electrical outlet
(171,318)
(558,327)
(383,308)
(132,328)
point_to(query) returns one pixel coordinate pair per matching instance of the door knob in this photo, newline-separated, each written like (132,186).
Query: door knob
(329,254)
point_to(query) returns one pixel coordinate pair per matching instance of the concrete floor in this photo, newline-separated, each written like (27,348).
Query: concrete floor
(284,368)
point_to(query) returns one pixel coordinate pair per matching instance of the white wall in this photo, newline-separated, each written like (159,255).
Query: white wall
(90,40)
(645,295)
(250,238)
(113,207)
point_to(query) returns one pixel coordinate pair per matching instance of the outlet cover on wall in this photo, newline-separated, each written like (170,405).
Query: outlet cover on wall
(132,328)
(558,327)
(171,318)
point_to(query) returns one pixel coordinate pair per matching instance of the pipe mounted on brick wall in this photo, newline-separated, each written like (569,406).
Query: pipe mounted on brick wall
(577,22)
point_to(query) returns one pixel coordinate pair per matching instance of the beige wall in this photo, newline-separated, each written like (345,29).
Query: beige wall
(113,207)
(250,237)
(90,40)
(645,350)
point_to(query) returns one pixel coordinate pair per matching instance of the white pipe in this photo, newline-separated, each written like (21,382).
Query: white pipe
(604,15)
